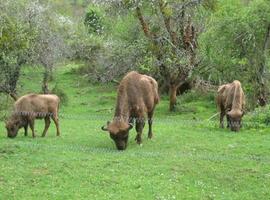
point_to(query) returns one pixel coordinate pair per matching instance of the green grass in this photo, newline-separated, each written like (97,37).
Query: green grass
(184,160)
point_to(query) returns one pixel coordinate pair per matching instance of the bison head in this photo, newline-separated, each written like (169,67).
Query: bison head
(235,118)
(12,128)
(119,133)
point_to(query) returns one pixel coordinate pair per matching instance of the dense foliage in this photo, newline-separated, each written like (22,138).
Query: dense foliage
(81,49)
(234,45)
(175,41)
(93,22)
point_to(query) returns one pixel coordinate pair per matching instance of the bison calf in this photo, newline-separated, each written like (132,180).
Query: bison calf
(231,102)
(31,107)
(137,95)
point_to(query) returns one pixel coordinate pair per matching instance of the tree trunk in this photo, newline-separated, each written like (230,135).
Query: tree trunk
(262,99)
(262,93)
(169,81)
(46,78)
(13,96)
(173,96)
(262,96)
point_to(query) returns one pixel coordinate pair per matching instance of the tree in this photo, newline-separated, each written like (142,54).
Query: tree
(31,33)
(47,41)
(172,37)
(14,45)
(235,45)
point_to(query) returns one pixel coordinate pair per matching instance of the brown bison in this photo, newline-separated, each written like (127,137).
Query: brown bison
(137,95)
(231,102)
(30,107)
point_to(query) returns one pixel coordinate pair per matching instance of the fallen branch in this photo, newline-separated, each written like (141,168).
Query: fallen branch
(115,81)
(213,116)
(106,109)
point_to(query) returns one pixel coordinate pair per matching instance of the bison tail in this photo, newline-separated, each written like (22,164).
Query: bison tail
(58,103)
(156,99)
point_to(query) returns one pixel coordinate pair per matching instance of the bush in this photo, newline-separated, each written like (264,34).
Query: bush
(61,94)
(259,118)
(93,21)
(5,106)
(195,95)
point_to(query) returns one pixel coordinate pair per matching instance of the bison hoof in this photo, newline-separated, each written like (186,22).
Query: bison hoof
(139,141)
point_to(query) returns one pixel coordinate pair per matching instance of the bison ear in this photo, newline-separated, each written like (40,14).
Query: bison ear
(130,126)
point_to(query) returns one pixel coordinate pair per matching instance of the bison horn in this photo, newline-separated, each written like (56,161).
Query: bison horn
(104,128)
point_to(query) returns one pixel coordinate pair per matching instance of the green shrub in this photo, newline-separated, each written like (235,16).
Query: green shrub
(61,94)
(93,21)
(5,106)
(260,117)
(195,95)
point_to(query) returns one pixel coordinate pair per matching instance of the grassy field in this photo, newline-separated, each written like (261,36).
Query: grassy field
(188,158)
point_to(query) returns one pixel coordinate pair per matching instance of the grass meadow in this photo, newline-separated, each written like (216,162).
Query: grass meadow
(189,157)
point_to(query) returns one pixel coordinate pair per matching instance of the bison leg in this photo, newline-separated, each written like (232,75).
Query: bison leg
(47,125)
(56,122)
(32,127)
(26,130)
(131,120)
(228,121)
(222,114)
(241,124)
(150,121)
(139,129)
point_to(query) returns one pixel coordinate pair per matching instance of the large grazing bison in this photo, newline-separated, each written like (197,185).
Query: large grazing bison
(231,102)
(137,95)
(31,107)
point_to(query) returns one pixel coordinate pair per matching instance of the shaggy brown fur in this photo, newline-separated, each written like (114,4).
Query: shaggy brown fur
(231,102)
(137,95)
(31,107)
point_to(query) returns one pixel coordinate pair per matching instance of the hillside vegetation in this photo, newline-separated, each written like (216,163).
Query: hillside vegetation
(80,50)
(188,158)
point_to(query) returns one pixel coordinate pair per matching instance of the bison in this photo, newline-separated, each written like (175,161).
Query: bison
(30,107)
(137,95)
(231,102)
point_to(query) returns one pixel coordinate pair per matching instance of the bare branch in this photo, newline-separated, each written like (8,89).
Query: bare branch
(144,25)
(13,95)
(191,3)
(267,39)
(167,22)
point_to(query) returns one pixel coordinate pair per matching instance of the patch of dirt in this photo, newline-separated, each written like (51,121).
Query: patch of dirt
(40,171)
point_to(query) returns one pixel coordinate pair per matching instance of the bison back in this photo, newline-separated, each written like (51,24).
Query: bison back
(40,104)
(141,90)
